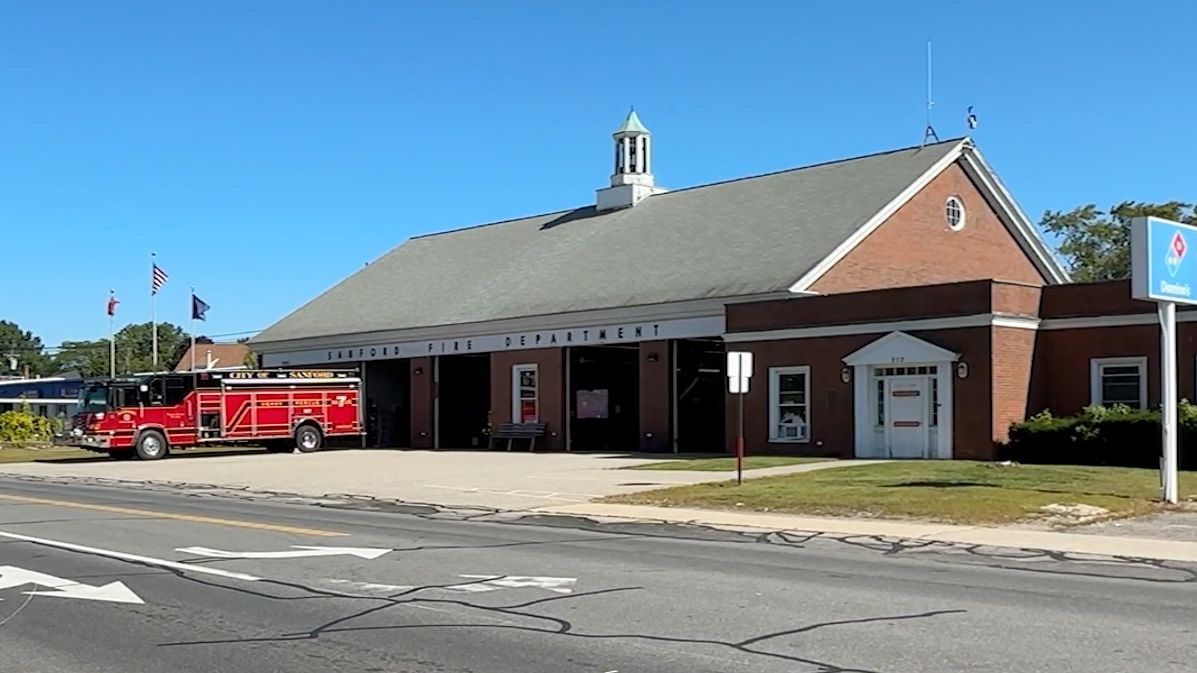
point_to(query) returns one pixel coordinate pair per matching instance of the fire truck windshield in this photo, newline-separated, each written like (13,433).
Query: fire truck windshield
(93,399)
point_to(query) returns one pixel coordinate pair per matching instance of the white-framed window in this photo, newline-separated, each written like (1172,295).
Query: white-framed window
(1118,381)
(880,420)
(525,394)
(789,404)
(953,211)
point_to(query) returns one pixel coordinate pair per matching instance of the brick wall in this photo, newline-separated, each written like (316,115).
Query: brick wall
(655,399)
(972,297)
(831,415)
(422,392)
(1061,374)
(1013,351)
(550,371)
(916,246)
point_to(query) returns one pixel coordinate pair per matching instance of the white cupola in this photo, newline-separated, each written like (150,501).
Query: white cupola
(632,180)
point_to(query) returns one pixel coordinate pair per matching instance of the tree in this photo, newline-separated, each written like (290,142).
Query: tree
(134,345)
(20,348)
(134,350)
(89,358)
(1096,244)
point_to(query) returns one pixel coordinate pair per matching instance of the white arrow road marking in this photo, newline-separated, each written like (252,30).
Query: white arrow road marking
(296,551)
(113,592)
(120,555)
(494,583)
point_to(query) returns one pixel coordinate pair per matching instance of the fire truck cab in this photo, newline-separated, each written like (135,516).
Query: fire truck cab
(148,416)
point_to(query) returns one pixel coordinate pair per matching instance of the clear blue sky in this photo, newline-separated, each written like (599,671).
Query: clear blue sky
(266,150)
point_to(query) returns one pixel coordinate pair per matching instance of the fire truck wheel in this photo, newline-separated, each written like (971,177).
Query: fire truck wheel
(151,445)
(308,438)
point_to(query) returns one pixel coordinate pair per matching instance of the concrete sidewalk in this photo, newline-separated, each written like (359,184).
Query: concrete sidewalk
(1021,538)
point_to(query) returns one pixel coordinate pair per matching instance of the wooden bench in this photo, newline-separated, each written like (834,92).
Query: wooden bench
(514,431)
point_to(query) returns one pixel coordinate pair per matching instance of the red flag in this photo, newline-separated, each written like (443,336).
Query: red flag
(112,302)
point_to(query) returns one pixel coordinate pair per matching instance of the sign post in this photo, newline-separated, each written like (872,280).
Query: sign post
(739,370)
(1164,271)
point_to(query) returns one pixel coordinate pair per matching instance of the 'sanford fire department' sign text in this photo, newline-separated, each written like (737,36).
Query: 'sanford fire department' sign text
(557,338)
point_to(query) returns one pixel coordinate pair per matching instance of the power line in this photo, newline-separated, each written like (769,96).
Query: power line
(88,345)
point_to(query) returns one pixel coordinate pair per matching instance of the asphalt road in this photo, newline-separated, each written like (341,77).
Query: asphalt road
(140,581)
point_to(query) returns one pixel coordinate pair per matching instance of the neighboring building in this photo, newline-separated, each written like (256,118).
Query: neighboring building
(214,357)
(51,397)
(896,303)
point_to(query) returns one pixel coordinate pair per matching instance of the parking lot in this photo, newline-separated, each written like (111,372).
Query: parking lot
(501,480)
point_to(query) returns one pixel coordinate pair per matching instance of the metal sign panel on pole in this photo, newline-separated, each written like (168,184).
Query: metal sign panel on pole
(739,370)
(1163,270)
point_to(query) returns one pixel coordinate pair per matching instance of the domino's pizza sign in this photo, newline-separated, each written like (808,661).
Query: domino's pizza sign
(1163,268)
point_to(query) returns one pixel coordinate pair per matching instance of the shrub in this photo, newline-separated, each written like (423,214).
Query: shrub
(23,426)
(1116,435)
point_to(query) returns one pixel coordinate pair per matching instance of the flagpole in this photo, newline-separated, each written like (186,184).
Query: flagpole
(154,308)
(111,335)
(193,330)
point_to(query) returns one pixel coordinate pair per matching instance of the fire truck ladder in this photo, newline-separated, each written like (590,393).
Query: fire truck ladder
(208,417)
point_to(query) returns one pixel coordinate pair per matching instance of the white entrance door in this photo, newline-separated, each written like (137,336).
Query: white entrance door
(906,417)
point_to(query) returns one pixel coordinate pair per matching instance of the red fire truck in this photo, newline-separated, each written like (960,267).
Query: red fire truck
(147,416)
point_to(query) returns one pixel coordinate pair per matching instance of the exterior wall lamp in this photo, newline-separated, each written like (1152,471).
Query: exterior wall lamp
(961,370)
(418,370)
(846,374)
(652,357)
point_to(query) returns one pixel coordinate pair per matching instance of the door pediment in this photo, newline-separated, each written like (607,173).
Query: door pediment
(899,347)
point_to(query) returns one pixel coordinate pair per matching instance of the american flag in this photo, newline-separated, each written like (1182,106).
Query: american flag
(157,280)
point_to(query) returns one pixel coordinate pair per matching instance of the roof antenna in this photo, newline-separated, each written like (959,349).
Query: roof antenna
(928,131)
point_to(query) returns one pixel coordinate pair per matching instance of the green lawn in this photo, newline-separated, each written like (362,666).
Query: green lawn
(725,464)
(948,491)
(53,454)
(11,454)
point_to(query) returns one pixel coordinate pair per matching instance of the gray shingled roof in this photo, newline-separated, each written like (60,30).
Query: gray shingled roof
(748,236)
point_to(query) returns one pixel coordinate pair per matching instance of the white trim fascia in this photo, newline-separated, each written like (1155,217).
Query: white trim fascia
(1012,215)
(1016,322)
(930,353)
(1123,320)
(816,272)
(699,308)
(47,379)
(954,322)
(1095,365)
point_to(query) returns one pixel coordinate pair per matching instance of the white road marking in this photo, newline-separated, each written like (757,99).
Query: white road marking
(123,556)
(372,586)
(543,495)
(494,583)
(113,592)
(486,584)
(296,551)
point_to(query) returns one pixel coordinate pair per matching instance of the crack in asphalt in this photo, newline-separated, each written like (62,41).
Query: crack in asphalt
(559,626)
(1080,565)
(1007,558)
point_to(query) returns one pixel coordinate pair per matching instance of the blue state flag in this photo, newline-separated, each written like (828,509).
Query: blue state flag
(198,308)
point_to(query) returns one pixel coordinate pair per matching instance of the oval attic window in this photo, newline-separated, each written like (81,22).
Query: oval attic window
(954,213)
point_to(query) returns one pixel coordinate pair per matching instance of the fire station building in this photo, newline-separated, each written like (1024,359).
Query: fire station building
(898,305)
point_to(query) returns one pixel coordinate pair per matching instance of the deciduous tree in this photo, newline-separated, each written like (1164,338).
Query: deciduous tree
(1095,244)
